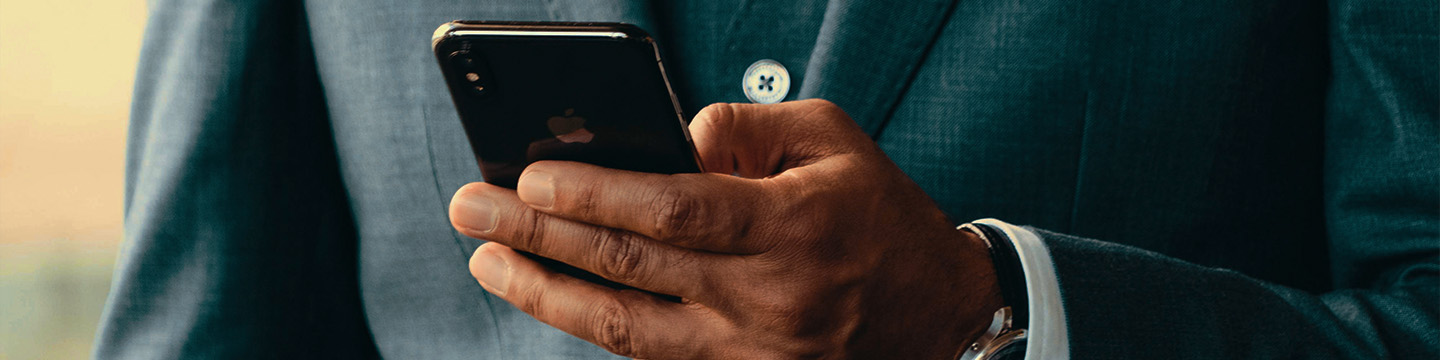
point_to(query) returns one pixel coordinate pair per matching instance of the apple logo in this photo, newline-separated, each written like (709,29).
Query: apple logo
(570,129)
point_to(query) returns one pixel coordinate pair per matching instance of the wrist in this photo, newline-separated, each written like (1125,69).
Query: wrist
(1006,334)
(940,297)
(986,292)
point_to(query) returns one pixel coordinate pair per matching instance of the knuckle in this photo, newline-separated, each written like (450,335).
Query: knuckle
(530,298)
(675,213)
(718,118)
(621,256)
(612,329)
(586,191)
(532,230)
(717,113)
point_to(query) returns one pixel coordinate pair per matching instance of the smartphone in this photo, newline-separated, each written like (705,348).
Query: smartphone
(588,92)
(578,91)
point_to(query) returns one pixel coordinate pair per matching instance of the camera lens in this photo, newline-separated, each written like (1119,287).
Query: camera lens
(470,68)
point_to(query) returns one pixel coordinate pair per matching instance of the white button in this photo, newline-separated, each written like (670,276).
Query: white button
(766,82)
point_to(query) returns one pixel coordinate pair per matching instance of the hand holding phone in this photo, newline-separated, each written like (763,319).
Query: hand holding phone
(587,92)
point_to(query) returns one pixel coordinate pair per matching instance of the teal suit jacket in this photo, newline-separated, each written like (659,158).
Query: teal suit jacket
(1229,178)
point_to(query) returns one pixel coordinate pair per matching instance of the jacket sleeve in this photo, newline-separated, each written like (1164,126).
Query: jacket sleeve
(239,242)
(1383,219)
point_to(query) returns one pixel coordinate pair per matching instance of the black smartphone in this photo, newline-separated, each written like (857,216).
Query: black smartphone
(587,92)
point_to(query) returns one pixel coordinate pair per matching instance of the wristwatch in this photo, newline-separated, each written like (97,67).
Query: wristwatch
(1005,338)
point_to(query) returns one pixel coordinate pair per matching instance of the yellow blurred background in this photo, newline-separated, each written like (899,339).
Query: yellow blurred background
(66,72)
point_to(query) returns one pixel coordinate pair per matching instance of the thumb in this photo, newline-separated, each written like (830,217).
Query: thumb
(760,140)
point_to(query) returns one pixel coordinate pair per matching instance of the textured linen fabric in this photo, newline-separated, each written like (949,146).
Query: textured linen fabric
(239,242)
(1260,178)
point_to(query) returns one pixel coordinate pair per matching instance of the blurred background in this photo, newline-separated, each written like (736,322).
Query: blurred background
(66,72)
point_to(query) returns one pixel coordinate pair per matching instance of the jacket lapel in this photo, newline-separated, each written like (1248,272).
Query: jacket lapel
(867,54)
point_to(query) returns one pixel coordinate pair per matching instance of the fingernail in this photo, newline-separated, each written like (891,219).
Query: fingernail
(537,188)
(479,213)
(491,271)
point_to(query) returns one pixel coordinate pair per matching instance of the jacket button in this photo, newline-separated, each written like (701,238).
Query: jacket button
(766,82)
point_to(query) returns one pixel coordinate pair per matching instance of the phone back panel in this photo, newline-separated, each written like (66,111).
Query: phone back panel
(600,98)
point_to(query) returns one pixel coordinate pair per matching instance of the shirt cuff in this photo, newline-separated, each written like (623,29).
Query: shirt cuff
(1047,338)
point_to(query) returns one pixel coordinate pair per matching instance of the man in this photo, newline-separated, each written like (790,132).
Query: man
(1262,179)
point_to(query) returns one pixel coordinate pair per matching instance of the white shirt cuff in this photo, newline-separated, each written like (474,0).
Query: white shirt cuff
(1047,336)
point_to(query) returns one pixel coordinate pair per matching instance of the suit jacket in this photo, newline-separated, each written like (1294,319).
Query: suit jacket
(1260,178)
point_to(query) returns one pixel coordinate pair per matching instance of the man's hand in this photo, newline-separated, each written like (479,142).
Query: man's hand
(819,248)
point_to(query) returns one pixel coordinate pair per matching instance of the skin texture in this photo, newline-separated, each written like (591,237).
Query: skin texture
(803,241)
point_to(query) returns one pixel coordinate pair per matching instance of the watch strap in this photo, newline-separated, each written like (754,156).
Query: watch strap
(1008,272)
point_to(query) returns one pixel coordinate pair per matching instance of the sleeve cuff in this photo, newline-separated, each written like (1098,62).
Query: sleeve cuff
(1047,335)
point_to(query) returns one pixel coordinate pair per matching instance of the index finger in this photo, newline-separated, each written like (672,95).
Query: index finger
(696,211)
